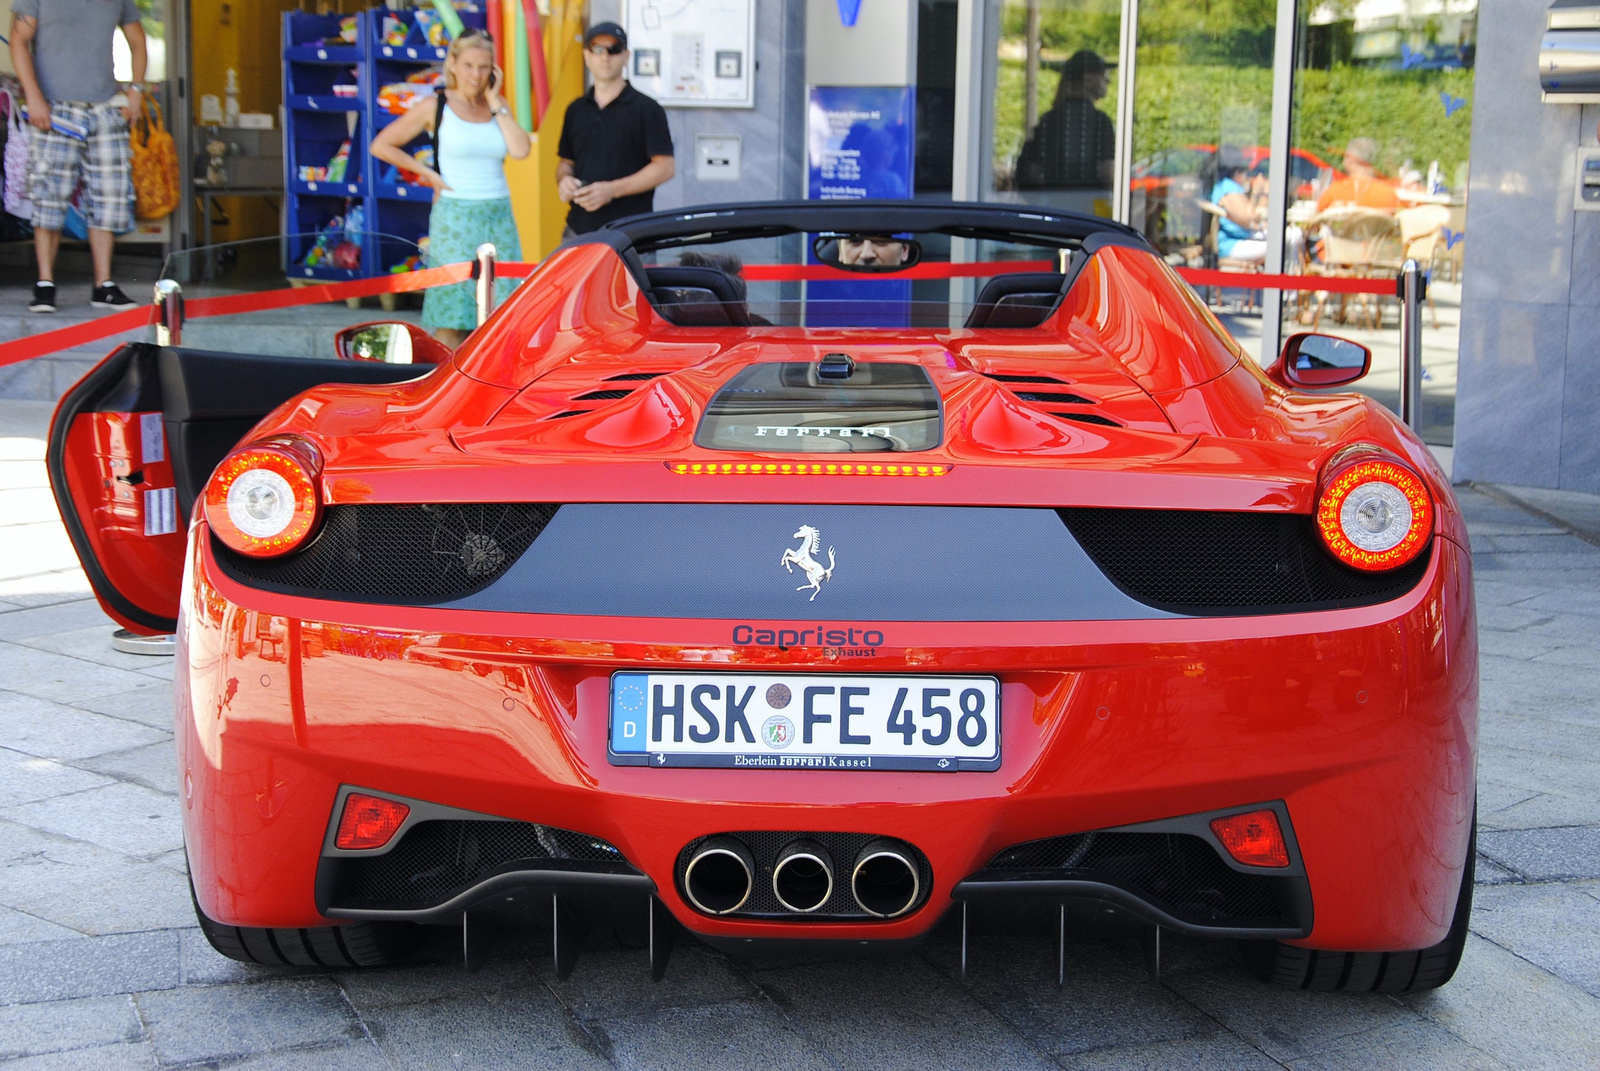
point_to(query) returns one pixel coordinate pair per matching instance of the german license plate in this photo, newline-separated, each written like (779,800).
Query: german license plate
(805,721)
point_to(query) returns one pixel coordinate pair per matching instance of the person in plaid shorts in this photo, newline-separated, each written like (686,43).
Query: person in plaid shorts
(61,50)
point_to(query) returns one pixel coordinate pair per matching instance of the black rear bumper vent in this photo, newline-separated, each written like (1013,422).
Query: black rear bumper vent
(1178,873)
(439,859)
(405,555)
(1209,563)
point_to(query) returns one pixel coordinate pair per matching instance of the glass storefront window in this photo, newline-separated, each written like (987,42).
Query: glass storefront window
(1053,100)
(1202,112)
(1383,93)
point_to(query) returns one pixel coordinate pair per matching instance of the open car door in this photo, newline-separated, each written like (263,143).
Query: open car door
(133,443)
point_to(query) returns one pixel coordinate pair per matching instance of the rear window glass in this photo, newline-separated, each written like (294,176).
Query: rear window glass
(787,407)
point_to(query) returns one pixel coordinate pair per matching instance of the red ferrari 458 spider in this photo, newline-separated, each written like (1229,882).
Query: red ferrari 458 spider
(807,572)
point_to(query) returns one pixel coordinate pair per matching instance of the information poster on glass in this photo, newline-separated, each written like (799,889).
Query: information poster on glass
(693,53)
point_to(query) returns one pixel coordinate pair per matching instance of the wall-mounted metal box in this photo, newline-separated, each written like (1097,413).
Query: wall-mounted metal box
(1569,55)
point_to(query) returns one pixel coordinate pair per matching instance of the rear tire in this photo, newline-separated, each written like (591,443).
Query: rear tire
(1370,972)
(358,944)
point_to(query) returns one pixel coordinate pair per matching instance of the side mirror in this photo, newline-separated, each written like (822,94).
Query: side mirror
(869,253)
(1321,361)
(391,343)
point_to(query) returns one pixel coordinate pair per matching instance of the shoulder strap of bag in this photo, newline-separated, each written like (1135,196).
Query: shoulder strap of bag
(438,121)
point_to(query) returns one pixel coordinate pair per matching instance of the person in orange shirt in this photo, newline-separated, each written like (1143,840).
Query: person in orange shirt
(1362,186)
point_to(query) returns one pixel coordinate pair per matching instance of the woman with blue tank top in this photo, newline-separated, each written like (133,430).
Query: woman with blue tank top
(474,133)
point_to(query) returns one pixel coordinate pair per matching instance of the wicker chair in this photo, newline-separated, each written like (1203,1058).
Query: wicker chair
(1357,243)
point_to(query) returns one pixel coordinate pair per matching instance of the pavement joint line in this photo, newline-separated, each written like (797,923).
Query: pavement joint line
(65,839)
(366,1031)
(144,1027)
(1558,979)
(49,606)
(744,971)
(42,572)
(52,922)
(1506,498)
(75,658)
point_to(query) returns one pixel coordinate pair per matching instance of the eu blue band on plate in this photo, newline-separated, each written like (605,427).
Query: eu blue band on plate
(630,711)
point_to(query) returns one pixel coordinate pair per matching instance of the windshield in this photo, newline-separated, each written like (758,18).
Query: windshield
(846,279)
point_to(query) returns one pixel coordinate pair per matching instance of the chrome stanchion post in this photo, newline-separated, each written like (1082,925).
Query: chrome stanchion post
(483,272)
(1412,287)
(169,313)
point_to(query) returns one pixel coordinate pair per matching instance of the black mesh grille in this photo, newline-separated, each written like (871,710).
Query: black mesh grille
(400,554)
(632,377)
(764,847)
(1177,872)
(1056,397)
(1088,418)
(437,859)
(569,412)
(1213,563)
(602,396)
(1007,378)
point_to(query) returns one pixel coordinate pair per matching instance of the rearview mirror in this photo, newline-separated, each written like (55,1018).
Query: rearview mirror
(872,253)
(1322,361)
(391,343)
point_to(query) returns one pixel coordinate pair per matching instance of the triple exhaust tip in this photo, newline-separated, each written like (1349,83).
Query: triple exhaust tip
(885,880)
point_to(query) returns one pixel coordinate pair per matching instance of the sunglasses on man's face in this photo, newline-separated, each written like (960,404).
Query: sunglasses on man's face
(607,50)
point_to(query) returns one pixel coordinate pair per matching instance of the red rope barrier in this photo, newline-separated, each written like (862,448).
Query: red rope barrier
(23,349)
(64,338)
(1334,284)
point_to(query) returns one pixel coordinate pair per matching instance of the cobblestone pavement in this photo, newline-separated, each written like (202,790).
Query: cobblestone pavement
(101,966)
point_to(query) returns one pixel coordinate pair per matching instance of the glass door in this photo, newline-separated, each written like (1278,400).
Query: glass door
(1051,98)
(1202,110)
(1382,120)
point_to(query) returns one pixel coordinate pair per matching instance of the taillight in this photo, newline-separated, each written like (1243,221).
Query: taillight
(1373,513)
(1253,838)
(368,821)
(262,500)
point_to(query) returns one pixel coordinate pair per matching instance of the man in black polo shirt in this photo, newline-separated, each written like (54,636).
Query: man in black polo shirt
(615,147)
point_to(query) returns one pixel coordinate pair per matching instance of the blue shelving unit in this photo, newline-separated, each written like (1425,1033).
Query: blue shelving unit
(394,207)
(317,122)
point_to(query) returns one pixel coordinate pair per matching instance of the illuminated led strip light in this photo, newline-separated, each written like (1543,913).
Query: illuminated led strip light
(803,468)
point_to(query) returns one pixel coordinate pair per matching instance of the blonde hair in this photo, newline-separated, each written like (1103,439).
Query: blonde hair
(470,39)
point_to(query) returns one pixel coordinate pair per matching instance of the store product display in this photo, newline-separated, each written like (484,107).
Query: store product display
(337,246)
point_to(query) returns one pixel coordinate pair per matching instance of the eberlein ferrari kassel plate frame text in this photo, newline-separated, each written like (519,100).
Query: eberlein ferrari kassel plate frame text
(805,721)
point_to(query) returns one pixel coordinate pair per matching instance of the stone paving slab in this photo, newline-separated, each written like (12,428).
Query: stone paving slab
(101,965)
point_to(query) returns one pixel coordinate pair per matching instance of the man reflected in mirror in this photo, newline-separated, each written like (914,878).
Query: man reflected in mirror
(872,250)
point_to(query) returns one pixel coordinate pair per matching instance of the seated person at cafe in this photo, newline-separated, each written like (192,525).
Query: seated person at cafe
(1362,186)
(1239,236)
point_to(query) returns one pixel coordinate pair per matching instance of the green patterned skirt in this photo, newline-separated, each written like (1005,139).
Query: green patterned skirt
(455,230)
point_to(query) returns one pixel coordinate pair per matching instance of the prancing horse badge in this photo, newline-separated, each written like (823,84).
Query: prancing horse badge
(803,556)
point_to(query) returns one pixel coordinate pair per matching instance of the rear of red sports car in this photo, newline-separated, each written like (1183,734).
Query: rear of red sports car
(657,608)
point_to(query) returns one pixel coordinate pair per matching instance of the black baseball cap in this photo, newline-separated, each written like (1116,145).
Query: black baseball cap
(607,29)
